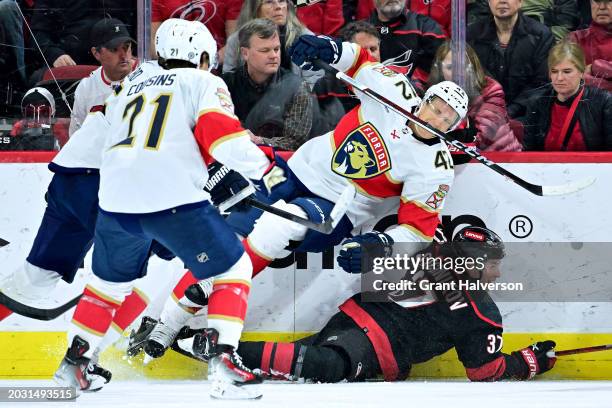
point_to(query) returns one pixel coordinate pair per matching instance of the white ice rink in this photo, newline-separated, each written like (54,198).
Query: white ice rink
(414,393)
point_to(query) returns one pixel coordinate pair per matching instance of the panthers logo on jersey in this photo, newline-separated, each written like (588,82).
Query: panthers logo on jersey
(362,154)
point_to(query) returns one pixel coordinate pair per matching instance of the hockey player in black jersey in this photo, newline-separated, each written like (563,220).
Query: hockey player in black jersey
(365,340)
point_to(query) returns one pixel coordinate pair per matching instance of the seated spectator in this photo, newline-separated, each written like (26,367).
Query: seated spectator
(111,46)
(488,124)
(513,49)
(62,27)
(558,15)
(333,95)
(219,16)
(408,40)
(282,13)
(596,42)
(321,17)
(568,115)
(270,101)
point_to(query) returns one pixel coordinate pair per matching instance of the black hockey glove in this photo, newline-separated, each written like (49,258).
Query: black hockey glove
(227,188)
(310,47)
(351,253)
(536,359)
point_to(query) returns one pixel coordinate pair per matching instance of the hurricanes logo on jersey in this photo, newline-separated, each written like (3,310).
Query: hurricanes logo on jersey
(362,154)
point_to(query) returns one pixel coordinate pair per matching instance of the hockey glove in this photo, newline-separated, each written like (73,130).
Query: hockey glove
(351,254)
(227,188)
(309,47)
(536,359)
(273,176)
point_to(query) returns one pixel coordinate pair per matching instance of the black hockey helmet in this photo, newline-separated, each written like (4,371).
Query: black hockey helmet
(477,242)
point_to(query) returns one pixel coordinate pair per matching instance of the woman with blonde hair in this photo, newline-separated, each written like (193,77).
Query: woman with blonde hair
(568,115)
(282,12)
(487,119)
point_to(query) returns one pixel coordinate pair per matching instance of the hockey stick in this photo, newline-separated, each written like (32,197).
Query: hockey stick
(36,313)
(470,151)
(326,227)
(591,349)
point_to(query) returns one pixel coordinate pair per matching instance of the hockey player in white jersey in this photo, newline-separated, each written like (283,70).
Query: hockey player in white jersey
(390,163)
(166,122)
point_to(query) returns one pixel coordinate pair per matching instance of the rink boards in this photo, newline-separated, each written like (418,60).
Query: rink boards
(297,298)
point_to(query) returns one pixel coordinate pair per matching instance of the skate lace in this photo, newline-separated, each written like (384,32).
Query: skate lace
(237,361)
(163,334)
(207,286)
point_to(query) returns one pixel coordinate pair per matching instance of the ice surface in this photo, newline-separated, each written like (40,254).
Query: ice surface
(413,393)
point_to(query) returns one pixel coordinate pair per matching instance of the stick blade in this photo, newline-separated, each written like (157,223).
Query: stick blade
(568,188)
(36,313)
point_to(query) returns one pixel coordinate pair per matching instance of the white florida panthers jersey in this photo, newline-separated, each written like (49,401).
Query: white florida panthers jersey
(165,126)
(374,149)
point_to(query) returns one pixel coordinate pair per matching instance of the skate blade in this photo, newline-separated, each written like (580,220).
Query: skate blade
(230,391)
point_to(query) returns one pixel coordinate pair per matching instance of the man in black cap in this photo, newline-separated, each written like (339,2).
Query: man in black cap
(112,48)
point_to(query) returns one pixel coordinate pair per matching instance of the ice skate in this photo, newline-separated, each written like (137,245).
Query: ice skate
(230,379)
(161,337)
(80,372)
(140,336)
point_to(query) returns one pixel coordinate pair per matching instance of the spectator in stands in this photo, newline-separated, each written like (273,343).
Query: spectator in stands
(111,46)
(561,16)
(513,49)
(487,120)
(596,42)
(219,16)
(408,41)
(334,97)
(62,27)
(321,17)
(281,12)
(270,101)
(568,115)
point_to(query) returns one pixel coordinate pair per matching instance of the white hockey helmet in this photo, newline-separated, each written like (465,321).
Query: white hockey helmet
(185,40)
(453,95)
(38,104)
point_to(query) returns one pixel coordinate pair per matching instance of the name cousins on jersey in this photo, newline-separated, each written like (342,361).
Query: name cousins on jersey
(425,285)
(157,80)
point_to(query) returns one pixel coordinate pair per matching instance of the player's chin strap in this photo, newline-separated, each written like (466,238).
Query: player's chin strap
(470,151)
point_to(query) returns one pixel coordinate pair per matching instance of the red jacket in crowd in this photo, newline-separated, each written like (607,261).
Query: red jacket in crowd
(488,114)
(323,17)
(439,10)
(596,41)
(212,13)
